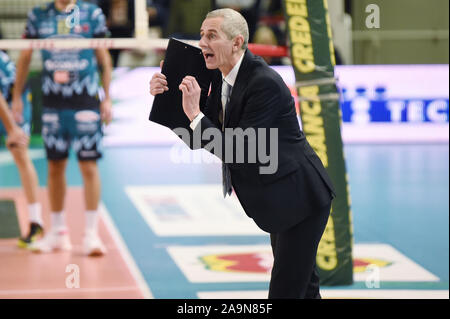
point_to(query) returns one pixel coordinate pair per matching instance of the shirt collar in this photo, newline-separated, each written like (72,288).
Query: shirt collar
(231,77)
(75,3)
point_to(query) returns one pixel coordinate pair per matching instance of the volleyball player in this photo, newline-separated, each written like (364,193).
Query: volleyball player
(72,110)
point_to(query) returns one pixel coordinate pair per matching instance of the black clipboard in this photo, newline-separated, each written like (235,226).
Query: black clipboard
(181,59)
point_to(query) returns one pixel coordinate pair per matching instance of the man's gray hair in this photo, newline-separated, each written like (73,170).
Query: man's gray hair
(233,24)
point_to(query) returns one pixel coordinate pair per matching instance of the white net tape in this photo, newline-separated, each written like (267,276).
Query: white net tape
(67,44)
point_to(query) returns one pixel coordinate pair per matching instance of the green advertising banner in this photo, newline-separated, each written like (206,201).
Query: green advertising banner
(312,54)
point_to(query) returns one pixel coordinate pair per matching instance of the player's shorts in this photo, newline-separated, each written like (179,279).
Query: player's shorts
(26,114)
(80,128)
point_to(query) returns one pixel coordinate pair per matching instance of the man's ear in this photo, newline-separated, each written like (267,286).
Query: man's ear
(238,43)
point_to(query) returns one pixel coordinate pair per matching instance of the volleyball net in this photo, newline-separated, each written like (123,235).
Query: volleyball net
(13,16)
(144,46)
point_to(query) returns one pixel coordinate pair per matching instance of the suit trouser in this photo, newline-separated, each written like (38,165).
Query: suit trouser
(294,273)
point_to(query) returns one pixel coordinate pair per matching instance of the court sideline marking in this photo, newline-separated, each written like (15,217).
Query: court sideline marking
(125,253)
(64,290)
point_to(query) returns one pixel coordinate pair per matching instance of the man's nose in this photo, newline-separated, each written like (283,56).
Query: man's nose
(202,43)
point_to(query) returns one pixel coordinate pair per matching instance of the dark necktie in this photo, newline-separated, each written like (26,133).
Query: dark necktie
(226,176)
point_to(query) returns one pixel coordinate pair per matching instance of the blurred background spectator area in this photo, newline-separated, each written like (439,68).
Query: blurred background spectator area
(411,31)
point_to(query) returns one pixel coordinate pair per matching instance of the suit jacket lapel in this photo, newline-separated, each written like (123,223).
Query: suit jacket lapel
(233,106)
(214,103)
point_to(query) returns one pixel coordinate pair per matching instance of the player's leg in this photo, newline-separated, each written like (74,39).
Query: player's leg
(87,145)
(91,181)
(28,175)
(57,184)
(56,143)
(29,178)
(30,186)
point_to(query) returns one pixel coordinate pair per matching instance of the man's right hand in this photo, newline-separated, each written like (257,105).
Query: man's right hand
(158,83)
(17,109)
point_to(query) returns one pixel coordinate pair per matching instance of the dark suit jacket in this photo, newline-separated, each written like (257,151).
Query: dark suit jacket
(261,99)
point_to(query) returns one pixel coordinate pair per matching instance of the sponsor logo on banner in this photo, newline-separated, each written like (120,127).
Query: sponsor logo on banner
(262,263)
(393,95)
(191,210)
(243,262)
(166,208)
(361,264)
(362,108)
(254,263)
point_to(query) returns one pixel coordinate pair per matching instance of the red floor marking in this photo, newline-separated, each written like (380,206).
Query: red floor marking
(24,274)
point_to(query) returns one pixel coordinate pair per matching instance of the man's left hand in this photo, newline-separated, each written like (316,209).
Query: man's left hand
(17,138)
(191,97)
(106,110)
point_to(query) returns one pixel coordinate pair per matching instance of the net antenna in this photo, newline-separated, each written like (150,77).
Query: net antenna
(140,20)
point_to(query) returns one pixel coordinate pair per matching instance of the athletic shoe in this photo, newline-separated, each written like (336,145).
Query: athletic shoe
(93,246)
(54,240)
(35,232)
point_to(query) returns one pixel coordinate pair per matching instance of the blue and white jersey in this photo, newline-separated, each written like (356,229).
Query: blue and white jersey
(70,78)
(7,75)
(7,79)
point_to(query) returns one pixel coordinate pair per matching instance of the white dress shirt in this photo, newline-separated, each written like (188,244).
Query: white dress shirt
(230,79)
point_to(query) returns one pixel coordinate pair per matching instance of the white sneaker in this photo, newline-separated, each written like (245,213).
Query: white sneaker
(53,240)
(93,246)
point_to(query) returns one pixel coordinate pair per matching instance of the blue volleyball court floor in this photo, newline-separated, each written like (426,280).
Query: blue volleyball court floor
(182,240)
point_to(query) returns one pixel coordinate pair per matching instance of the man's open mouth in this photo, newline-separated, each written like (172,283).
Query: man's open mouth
(208,56)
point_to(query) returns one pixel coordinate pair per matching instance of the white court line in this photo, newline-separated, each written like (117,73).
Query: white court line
(65,290)
(75,248)
(336,294)
(6,157)
(126,255)
(386,294)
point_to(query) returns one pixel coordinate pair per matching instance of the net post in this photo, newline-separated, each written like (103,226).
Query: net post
(141,19)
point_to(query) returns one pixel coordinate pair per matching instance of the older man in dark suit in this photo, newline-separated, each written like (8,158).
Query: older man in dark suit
(293,201)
